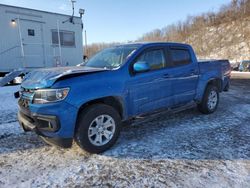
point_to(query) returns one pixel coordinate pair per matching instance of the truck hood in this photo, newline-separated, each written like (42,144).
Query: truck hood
(44,78)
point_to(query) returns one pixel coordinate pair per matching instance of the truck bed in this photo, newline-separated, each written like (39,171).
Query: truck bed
(209,65)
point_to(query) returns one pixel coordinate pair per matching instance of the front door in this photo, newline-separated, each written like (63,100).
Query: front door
(150,90)
(32,38)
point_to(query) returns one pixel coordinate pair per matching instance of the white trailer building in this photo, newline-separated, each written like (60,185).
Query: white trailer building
(29,39)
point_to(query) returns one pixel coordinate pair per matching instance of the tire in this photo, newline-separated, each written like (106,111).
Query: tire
(210,100)
(227,87)
(98,128)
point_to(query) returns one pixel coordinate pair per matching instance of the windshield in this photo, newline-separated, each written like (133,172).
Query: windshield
(112,57)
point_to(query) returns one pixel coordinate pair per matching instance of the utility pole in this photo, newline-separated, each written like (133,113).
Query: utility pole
(86,44)
(20,37)
(59,44)
(21,42)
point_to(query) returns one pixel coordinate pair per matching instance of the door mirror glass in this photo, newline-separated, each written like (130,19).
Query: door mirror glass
(141,66)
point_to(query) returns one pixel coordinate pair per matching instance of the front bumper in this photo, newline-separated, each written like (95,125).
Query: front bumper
(54,122)
(37,123)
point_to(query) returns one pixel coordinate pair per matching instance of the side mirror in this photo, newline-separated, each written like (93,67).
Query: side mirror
(141,66)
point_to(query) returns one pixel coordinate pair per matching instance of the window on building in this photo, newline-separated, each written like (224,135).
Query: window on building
(31,32)
(180,56)
(67,38)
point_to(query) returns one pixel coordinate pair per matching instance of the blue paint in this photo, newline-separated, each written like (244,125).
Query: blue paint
(138,93)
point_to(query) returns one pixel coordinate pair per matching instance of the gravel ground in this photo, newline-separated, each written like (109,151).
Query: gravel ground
(187,149)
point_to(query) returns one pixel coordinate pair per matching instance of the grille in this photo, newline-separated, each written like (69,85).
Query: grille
(26,97)
(24,90)
(23,103)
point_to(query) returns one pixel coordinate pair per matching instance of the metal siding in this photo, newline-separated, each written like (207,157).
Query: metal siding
(11,59)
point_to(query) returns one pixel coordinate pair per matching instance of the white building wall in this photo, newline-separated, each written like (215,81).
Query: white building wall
(38,50)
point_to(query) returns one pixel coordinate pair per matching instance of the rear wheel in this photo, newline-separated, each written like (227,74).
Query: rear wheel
(98,128)
(210,100)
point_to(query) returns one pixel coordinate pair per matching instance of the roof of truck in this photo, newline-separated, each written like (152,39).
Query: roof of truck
(153,43)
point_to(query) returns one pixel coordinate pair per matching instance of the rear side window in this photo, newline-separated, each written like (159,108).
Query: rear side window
(155,59)
(180,56)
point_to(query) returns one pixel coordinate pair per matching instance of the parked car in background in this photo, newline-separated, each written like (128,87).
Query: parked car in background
(235,66)
(244,66)
(89,103)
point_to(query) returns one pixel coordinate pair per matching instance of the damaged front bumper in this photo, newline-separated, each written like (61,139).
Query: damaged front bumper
(39,123)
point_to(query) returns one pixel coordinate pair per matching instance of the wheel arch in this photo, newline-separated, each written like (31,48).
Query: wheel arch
(203,86)
(216,82)
(113,101)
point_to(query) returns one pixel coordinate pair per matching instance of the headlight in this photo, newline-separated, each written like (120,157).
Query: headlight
(42,96)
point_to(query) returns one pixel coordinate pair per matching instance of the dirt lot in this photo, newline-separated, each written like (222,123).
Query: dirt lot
(187,149)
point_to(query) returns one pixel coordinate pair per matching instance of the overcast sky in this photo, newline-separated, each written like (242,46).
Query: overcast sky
(124,20)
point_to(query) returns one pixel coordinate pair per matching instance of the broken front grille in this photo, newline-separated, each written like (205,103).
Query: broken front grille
(25,98)
(23,102)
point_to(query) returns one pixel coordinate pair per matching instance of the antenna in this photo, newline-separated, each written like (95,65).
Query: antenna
(73,11)
(71,19)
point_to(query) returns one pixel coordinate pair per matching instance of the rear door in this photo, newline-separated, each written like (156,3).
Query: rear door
(184,73)
(151,90)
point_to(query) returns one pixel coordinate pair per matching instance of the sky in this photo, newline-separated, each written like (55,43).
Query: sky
(124,20)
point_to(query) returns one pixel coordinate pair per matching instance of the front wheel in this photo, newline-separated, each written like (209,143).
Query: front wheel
(210,100)
(98,128)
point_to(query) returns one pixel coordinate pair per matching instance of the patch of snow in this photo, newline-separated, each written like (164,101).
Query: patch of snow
(8,101)
(10,129)
(187,149)
(243,73)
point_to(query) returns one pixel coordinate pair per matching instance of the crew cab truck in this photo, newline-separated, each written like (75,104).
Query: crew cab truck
(89,103)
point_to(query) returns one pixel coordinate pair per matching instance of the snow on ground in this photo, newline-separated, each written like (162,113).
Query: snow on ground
(8,109)
(8,102)
(187,149)
(243,73)
(237,74)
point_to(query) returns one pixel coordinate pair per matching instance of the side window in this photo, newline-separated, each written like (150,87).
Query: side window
(180,56)
(155,59)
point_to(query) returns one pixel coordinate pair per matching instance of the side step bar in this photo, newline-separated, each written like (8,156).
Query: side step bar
(149,117)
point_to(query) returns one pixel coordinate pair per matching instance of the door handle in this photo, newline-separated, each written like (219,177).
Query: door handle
(192,72)
(166,76)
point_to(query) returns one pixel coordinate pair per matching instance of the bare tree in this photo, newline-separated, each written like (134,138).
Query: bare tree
(194,28)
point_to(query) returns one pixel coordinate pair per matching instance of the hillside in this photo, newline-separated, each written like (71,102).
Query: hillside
(230,40)
(221,35)
(225,34)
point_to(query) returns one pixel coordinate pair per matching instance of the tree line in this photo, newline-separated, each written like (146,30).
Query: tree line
(236,10)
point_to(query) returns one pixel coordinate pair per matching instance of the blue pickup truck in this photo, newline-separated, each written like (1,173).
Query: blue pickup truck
(89,103)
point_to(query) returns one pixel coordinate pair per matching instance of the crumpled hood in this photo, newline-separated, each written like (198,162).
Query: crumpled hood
(44,78)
